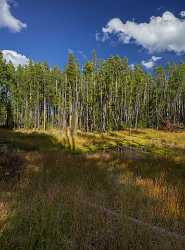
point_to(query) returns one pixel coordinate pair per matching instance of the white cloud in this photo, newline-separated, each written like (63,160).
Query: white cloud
(156,58)
(14,57)
(161,33)
(7,19)
(82,54)
(182,13)
(132,66)
(102,37)
(148,64)
(70,51)
(151,62)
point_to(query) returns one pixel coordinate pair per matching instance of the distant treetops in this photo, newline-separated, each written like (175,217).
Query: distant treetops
(104,95)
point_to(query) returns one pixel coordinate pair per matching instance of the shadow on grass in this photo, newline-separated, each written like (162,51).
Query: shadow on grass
(47,207)
(11,166)
(17,141)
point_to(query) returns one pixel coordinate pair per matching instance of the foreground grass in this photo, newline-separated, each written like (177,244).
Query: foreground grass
(52,199)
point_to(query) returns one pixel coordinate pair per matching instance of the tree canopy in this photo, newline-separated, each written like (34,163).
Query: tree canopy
(104,95)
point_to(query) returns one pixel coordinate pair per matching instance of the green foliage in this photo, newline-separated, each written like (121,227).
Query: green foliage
(105,95)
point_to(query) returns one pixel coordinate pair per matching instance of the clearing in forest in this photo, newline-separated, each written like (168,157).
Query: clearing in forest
(95,191)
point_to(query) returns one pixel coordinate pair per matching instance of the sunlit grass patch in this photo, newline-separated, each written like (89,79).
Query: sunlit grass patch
(56,201)
(159,143)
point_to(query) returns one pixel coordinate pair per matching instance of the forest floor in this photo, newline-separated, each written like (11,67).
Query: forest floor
(95,191)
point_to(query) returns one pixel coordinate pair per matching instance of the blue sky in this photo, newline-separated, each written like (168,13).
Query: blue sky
(44,30)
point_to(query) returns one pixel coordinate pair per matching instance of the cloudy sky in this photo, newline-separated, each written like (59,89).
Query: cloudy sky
(147,32)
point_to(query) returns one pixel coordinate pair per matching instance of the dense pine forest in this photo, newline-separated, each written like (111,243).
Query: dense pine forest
(102,95)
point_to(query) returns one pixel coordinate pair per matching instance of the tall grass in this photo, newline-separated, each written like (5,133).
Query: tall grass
(56,200)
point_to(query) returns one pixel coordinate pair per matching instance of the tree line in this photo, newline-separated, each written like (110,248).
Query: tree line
(103,95)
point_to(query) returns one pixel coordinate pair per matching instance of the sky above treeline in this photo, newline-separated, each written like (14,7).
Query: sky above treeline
(151,33)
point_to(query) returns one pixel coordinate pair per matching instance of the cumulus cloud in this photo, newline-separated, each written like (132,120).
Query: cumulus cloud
(14,57)
(7,20)
(151,62)
(102,37)
(161,33)
(182,13)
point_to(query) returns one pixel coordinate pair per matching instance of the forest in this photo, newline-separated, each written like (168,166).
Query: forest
(101,95)
(92,157)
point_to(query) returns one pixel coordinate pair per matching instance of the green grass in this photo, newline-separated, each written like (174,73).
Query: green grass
(20,141)
(51,198)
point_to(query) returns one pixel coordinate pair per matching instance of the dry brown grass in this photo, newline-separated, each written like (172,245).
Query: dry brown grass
(57,201)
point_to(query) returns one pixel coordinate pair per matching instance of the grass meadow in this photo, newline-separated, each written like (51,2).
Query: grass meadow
(94,191)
